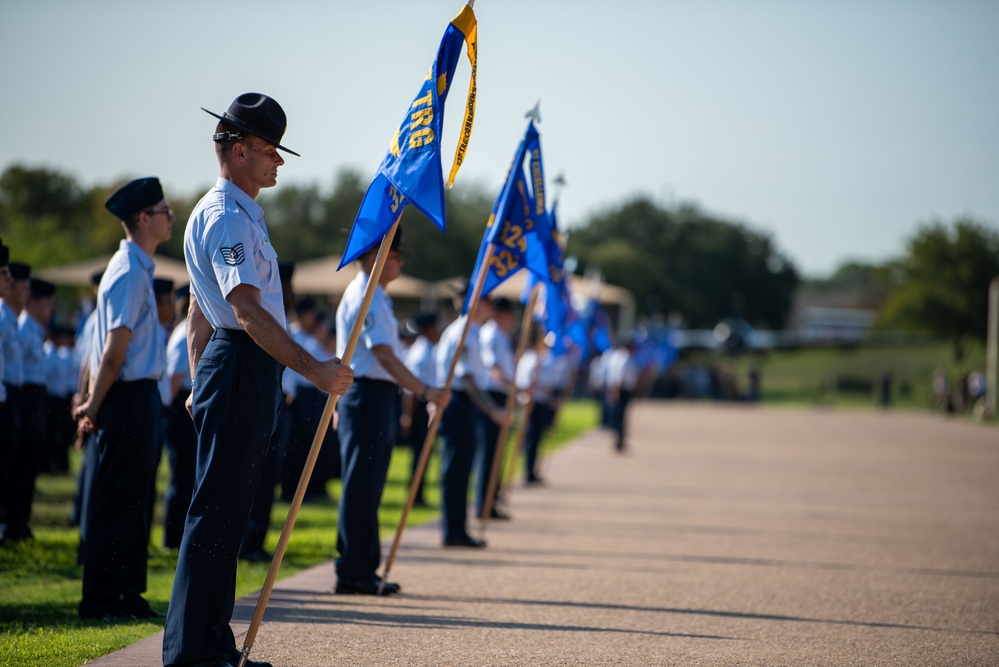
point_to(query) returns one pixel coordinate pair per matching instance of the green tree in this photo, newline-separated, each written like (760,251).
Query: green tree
(942,282)
(685,261)
(47,217)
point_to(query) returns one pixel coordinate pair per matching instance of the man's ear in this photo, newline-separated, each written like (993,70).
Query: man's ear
(238,151)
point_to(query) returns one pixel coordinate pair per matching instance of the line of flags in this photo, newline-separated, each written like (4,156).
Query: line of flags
(411,172)
(521,232)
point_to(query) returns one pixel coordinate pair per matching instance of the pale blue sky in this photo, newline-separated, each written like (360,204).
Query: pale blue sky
(837,126)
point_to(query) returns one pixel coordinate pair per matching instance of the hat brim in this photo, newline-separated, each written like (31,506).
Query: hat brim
(235,123)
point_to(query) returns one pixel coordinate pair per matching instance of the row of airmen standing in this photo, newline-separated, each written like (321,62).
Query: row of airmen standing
(221,379)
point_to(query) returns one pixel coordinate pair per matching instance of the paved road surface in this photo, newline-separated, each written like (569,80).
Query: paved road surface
(725,535)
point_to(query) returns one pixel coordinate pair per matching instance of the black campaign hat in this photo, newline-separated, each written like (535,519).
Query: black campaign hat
(257,114)
(134,196)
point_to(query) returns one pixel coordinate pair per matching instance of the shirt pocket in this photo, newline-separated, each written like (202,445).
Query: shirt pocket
(267,269)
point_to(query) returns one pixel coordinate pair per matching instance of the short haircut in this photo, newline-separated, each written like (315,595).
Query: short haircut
(223,147)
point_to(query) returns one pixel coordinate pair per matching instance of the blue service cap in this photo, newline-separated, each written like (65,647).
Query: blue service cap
(134,196)
(19,271)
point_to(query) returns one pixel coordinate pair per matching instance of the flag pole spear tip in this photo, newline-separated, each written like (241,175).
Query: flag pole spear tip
(535,112)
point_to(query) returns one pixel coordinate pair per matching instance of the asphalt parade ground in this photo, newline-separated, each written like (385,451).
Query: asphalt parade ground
(723,535)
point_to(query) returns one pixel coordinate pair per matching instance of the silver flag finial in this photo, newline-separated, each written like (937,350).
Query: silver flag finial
(535,112)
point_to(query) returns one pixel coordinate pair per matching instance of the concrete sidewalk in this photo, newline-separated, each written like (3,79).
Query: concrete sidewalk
(723,536)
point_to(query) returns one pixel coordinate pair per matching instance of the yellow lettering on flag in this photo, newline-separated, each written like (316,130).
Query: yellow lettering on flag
(421,137)
(423,116)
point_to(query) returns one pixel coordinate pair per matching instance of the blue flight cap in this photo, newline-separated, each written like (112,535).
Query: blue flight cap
(134,196)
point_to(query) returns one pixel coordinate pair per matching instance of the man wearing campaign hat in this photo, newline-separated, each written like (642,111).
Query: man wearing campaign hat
(121,409)
(239,346)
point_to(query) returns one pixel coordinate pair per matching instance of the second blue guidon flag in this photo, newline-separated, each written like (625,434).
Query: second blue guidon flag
(411,170)
(512,223)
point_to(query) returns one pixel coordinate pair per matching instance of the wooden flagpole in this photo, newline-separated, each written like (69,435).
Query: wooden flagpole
(525,417)
(511,399)
(317,443)
(435,422)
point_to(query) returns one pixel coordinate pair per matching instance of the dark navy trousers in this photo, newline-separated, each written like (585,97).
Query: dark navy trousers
(263,502)
(182,452)
(418,429)
(114,555)
(31,448)
(461,432)
(487,455)
(237,389)
(542,417)
(10,441)
(368,418)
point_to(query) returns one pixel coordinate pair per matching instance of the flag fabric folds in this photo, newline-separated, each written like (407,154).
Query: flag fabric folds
(411,172)
(513,221)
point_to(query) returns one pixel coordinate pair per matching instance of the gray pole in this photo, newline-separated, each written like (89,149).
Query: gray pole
(992,352)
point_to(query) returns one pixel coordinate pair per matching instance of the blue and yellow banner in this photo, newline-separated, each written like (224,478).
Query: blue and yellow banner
(411,172)
(511,224)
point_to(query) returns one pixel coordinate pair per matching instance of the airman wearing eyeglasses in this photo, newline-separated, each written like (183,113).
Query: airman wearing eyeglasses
(121,408)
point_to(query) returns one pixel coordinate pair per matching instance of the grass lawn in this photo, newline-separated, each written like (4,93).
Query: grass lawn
(40,580)
(850,376)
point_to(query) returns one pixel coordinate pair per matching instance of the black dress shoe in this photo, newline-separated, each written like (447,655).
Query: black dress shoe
(365,587)
(113,615)
(139,608)
(233,659)
(497,515)
(256,556)
(464,541)
(211,662)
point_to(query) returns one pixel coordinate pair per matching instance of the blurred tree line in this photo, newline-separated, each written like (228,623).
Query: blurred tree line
(677,260)
(687,262)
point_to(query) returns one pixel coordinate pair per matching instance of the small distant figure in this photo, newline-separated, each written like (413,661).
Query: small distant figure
(753,392)
(884,389)
(940,398)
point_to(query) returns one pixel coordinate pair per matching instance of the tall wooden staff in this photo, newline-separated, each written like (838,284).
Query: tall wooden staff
(421,465)
(511,399)
(317,443)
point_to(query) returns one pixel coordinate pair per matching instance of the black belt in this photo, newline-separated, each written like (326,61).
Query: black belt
(372,382)
(136,384)
(234,335)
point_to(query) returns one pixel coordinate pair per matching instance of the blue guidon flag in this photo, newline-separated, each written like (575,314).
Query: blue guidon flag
(513,222)
(411,171)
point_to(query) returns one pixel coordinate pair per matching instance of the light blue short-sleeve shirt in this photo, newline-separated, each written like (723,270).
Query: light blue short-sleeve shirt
(497,352)
(470,360)
(125,299)
(13,362)
(226,244)
(380,328)
(176,354)
(32,348)
(421,360)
